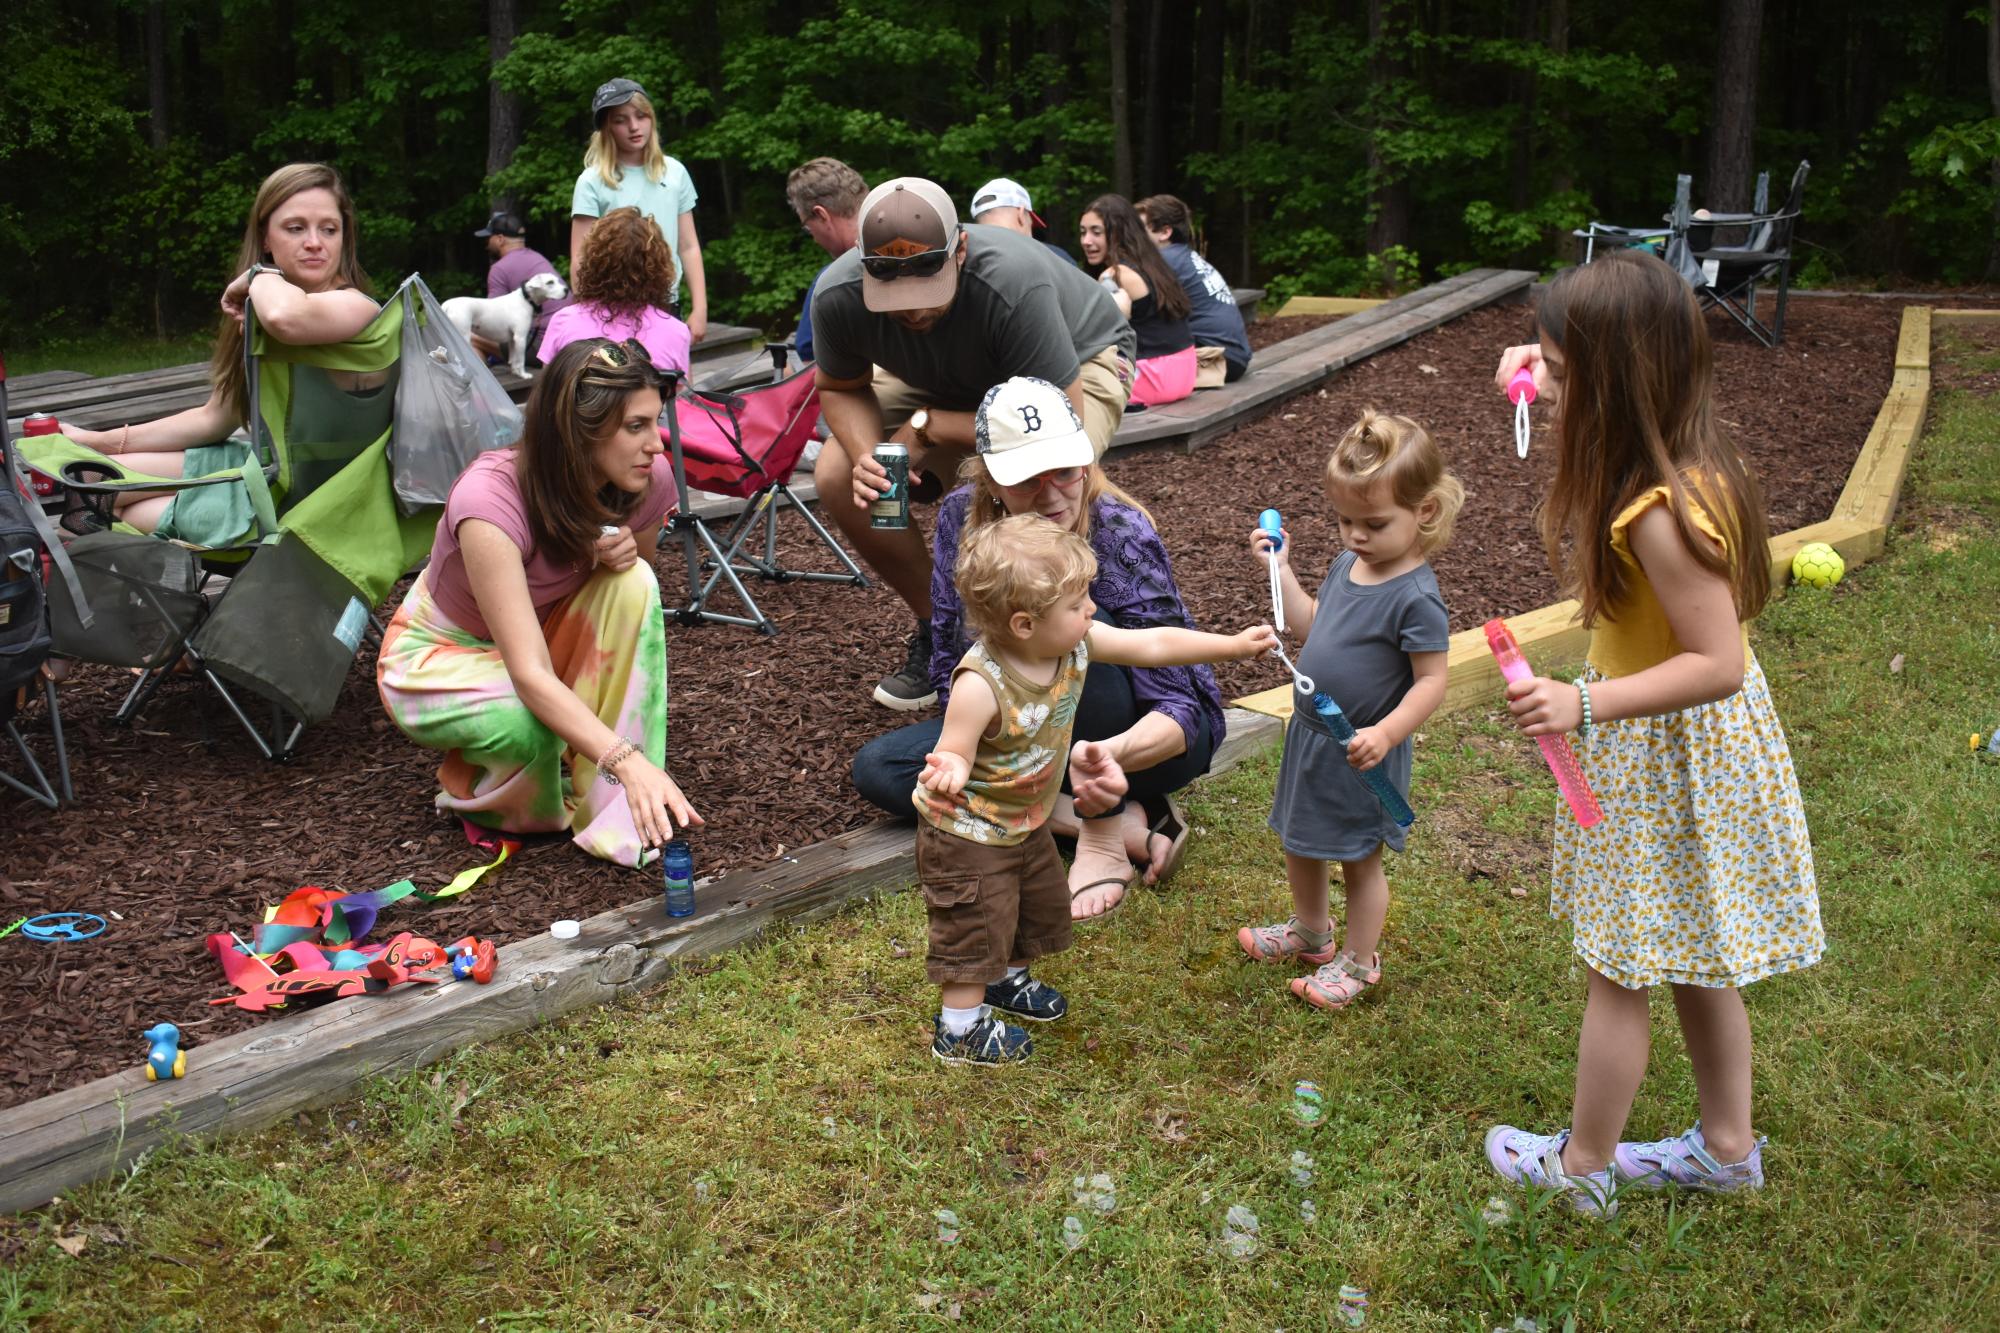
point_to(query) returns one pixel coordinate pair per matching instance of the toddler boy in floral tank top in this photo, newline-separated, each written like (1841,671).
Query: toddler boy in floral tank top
(994,886)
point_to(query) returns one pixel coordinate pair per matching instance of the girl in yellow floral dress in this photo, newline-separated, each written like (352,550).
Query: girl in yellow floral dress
(1700,875)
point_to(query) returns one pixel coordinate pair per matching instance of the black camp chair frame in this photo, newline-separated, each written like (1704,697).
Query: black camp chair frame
(277,740)
(35,785)
(725,560)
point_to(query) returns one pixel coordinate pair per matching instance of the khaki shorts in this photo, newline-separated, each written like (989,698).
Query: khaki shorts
(991,907)
(1106,380)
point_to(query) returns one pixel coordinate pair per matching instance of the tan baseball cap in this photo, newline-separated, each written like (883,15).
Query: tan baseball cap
(909,246)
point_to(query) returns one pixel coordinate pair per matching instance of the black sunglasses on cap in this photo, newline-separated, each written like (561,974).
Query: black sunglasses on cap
(888,268)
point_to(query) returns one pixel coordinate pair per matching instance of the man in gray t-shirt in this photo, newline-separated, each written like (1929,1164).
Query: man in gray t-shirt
(910,329)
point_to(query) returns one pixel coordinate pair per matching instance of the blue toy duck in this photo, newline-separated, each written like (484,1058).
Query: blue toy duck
(166,1059)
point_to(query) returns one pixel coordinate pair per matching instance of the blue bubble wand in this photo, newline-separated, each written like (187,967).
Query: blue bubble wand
(1323,705)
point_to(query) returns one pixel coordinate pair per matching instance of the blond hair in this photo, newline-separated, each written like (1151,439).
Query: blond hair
(1023,563)
(985,505)
(601,153)
(1381,450)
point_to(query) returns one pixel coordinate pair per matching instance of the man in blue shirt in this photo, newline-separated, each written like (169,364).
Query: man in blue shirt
(826,194)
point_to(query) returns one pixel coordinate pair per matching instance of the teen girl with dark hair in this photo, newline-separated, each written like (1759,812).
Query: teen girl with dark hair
(1131,268)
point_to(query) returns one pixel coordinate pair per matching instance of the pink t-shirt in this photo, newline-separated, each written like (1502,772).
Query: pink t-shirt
(665,338)
(489,489)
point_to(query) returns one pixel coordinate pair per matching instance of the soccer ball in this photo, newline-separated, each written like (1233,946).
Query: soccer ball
(1817,565)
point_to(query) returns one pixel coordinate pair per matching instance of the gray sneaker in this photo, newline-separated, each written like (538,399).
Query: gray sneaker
(910,689)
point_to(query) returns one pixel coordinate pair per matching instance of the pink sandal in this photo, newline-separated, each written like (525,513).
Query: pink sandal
(1283,943)
(1339,983)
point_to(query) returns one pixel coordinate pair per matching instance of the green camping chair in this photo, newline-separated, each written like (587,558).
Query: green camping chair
(307,533)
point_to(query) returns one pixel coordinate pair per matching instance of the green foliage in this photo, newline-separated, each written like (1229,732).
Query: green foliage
(1457,136)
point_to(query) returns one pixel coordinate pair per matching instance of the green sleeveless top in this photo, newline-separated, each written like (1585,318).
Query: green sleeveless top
(1017,771)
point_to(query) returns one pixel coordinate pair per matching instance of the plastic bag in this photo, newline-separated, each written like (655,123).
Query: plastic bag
(449,408)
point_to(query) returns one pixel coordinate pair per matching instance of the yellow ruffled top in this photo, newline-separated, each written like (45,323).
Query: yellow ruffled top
(1634,634)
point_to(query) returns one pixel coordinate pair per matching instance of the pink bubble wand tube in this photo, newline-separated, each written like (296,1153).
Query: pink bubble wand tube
(1556,750)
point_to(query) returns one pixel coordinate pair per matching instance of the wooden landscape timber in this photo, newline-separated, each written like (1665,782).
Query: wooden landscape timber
(1328,305)
(318,1056)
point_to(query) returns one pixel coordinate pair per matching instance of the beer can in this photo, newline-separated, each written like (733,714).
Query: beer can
(892,508)
(42,484)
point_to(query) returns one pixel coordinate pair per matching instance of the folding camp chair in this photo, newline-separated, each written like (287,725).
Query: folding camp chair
(1731,274)
(744,444)
(25,640)
(327,539)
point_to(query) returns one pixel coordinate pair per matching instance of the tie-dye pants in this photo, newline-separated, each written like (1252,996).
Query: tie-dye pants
(503,767)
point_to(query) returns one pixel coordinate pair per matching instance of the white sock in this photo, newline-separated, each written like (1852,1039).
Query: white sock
(957,1022)
(1013,973)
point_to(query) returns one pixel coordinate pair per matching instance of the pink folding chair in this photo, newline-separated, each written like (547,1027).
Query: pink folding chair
(744,444)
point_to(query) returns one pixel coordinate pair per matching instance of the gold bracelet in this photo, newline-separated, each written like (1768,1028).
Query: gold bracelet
(124,437)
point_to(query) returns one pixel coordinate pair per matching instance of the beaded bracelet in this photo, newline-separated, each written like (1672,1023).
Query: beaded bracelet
(616,754)
(1583,694)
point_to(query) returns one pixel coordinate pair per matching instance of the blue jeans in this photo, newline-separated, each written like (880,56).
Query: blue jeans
(886,768)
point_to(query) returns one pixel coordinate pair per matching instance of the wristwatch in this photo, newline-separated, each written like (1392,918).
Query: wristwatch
(920,421)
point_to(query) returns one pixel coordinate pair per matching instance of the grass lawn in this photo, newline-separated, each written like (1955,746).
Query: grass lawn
(765,1142)
(108,354)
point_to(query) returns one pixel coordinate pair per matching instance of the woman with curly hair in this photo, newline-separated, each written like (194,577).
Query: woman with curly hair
(624,279)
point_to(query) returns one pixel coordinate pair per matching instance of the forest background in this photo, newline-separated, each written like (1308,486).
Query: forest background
(1332,146)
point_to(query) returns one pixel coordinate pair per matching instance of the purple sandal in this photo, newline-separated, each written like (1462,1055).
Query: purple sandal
(1535,1160)
(1684,1162)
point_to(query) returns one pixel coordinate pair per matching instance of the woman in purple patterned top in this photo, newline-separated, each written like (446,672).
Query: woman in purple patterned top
(1162,725)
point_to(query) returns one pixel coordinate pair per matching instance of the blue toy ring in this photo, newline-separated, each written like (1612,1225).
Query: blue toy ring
(64,926)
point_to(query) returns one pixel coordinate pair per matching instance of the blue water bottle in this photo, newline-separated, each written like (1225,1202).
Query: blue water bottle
(677,862)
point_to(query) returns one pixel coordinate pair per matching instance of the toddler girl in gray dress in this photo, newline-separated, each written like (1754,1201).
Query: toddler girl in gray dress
(1377,645)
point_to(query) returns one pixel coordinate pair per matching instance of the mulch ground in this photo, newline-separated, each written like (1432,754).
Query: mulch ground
(180,830)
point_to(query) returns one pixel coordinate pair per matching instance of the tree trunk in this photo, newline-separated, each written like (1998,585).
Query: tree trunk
(1389,221)
(1561,176)
(1993,96)
(1528,29)
(1152,168)
(503,108)
(1121,101)
(1252,36)
(1732,146)
(158,131)
(1211,29)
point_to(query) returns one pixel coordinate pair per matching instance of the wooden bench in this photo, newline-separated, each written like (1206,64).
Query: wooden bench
(1296,364)
(99,402)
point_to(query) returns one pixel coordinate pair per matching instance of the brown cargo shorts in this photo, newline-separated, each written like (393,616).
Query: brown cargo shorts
(991,906)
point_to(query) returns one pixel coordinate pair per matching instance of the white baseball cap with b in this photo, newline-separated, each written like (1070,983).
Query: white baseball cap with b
(1025,427)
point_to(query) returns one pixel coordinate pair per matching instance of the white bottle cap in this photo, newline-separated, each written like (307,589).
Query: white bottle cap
(565,929)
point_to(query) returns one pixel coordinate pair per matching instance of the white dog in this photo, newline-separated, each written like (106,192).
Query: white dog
(507,320)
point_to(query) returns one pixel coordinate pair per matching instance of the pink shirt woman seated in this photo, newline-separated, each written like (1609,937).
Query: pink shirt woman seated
(535,639)
(623,278)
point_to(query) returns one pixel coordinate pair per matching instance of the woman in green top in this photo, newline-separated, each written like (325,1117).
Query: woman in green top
(624,167)
(299,263)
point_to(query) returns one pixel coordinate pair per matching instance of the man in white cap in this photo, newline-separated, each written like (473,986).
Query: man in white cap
(1005,203)
(910,329)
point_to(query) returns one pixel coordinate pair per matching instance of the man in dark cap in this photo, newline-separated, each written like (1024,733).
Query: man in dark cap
(514,262)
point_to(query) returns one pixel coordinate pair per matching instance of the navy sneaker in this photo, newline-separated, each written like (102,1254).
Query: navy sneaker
(1025,997)
(987,1042)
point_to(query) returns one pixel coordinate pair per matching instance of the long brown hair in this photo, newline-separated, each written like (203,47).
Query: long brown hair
(578,402)
(225,368)
(1126,241)
(1637,410)
(626,266)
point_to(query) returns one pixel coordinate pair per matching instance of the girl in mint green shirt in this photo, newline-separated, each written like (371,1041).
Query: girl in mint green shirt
(623,166)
